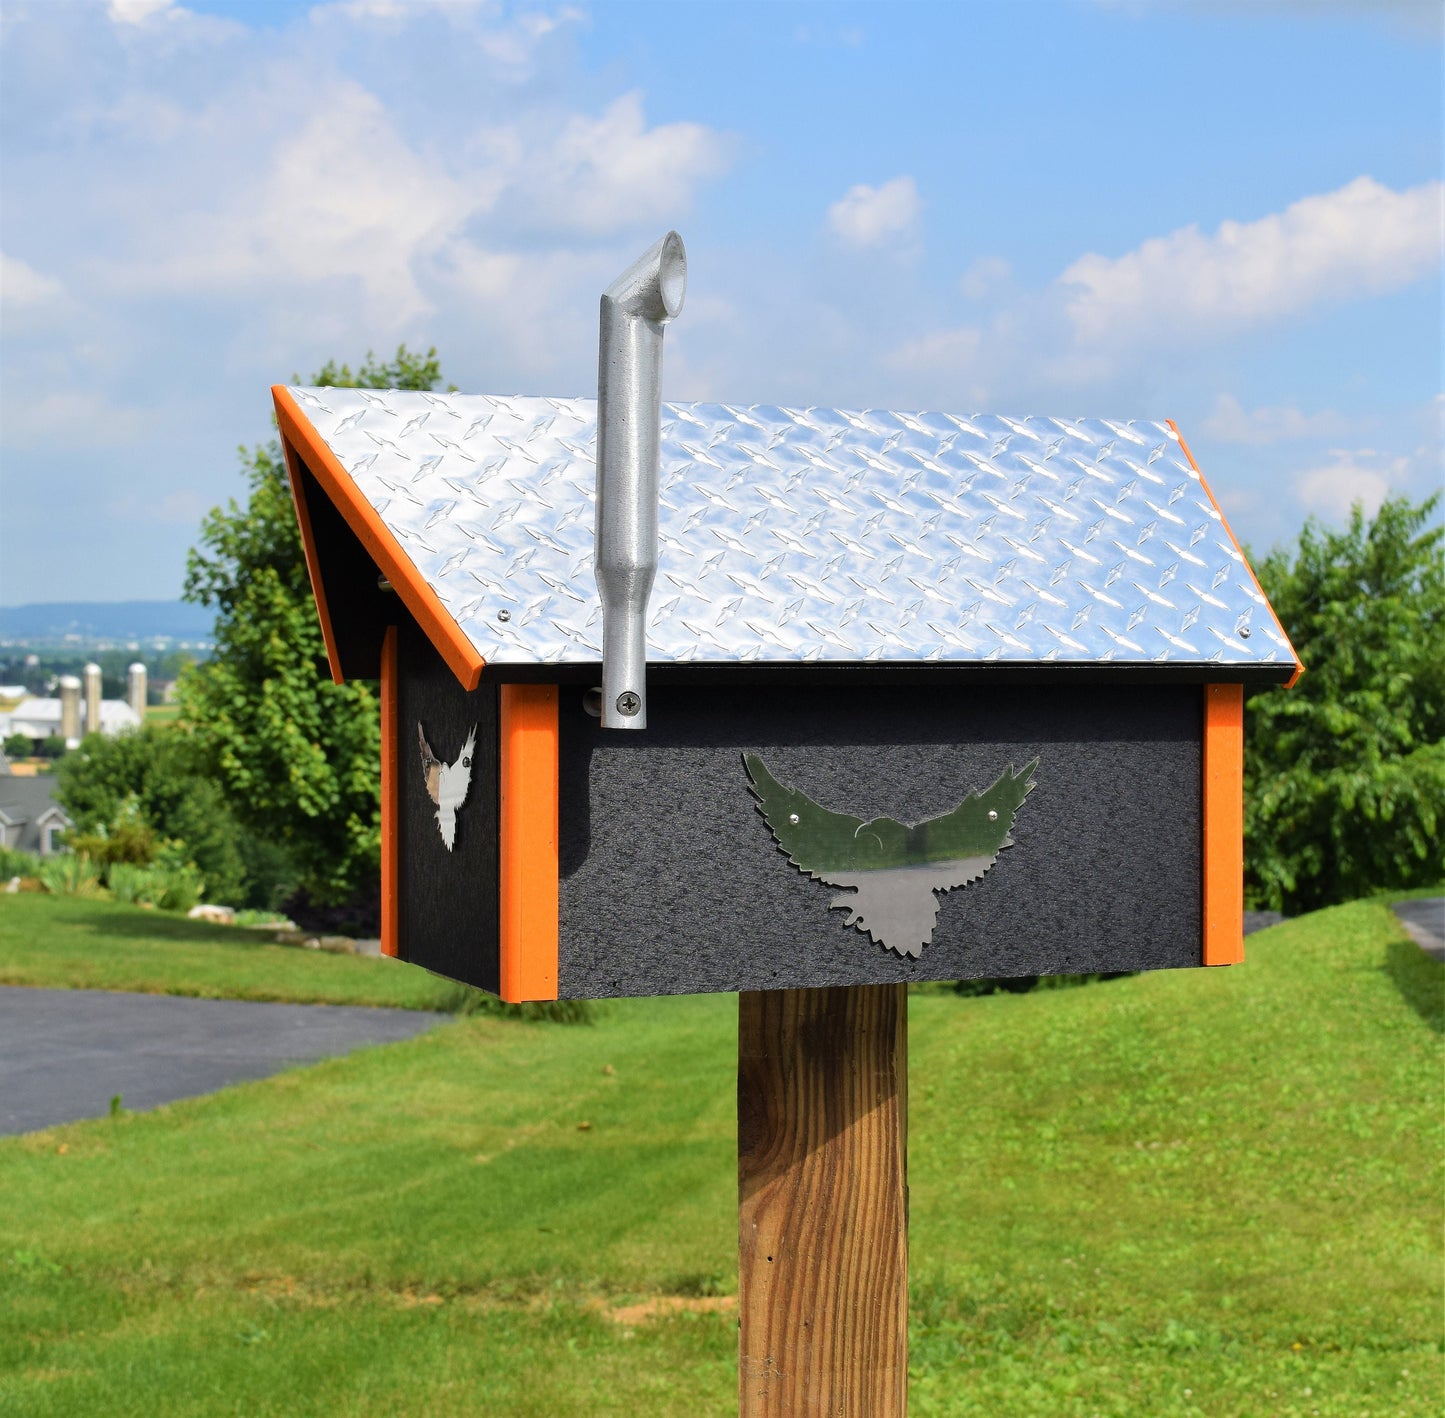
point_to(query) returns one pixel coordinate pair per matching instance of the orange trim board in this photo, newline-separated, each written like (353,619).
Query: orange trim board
(1223,824)
(1299,668)
(390,788)
(435,620)
(313,562)
(528,847)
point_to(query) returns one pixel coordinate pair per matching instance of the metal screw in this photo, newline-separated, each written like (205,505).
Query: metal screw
(793,818)
(504,615)
(992,816)
(1244,632)
(628,703)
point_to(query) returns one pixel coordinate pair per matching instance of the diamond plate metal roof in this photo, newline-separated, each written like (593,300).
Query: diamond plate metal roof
(813,535)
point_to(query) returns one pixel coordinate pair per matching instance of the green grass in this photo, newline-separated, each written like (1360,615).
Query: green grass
(66,942)
(1196,1193)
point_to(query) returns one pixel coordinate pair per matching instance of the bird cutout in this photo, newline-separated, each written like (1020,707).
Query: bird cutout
(892,869)
(447,783)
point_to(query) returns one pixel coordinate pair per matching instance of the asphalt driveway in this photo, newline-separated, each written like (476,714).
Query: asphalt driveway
(64,1054)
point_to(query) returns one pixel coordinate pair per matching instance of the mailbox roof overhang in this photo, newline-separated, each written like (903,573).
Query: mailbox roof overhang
(791,538)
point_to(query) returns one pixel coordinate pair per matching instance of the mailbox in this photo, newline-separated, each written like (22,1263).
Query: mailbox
(921,695)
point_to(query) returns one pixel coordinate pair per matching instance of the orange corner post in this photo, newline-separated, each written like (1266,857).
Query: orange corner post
(390,805)
(528,865)
(1223,824)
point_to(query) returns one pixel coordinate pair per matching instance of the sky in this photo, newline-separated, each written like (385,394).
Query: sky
(1224,212)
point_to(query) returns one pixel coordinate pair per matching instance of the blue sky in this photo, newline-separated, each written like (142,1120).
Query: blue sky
(1228,214)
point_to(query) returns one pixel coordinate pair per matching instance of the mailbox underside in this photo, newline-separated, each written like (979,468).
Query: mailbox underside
(670,881)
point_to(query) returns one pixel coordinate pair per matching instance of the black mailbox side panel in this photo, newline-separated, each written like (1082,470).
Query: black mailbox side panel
(447,899)
(671,881)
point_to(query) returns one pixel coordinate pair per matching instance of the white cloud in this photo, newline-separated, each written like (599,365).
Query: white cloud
(511,43)
(1363,239)
(22,286)
(1359,475)
(940,349)
(342,196)
(984,277)
(874,216)
(335,193)
(613,172)
(137,12)
(70,418)
(1230,422)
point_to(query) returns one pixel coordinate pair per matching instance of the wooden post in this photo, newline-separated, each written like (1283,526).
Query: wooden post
(823,1202)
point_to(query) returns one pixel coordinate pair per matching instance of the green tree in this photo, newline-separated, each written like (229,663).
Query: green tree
(1345,773)
(130,794)
(295,754)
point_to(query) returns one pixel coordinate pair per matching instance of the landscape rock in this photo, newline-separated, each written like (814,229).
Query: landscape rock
(221,915)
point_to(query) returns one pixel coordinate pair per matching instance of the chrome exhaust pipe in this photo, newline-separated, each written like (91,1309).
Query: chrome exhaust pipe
(635,308)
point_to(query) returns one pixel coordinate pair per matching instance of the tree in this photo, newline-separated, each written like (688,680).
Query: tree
(295,755)
(1345,773)
(130,795)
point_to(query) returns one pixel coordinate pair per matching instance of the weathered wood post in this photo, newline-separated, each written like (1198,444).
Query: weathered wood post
(823,1202)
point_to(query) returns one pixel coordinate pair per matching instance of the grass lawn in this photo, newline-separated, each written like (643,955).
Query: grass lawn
(1192,1193)
(65,942)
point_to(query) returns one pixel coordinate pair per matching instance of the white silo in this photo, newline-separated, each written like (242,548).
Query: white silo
(70,710)
(92,698)
(135,689)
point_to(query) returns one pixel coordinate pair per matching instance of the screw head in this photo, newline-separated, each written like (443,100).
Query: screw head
(1244,632)
(628,703)
(992,815)
(793,818)
(504,614)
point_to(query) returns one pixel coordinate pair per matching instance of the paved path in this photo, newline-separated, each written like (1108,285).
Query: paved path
(1425,920)
(65,1053)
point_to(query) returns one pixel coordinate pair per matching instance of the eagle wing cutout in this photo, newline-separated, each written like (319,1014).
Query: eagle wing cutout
(893,869)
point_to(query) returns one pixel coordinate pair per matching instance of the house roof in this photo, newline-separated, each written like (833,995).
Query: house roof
(797,535)
(28,800)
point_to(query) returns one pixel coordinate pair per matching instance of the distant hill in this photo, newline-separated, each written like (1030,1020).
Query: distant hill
(49,622)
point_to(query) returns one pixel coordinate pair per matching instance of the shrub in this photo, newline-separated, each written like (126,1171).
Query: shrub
(69,874)
(174,887)
(127,795)
(18,746)
(13,863)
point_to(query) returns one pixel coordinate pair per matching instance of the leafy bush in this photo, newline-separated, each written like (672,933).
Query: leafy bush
(129,839)
(1345,773)
(131,794)
(249,916)
(13,863)
(18,746)
(53,746)
(173,887)
(68,874)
